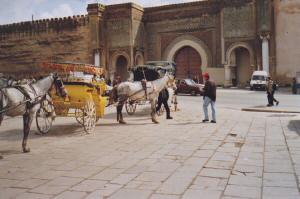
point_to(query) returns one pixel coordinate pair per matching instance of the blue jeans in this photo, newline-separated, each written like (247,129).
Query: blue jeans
(206,102)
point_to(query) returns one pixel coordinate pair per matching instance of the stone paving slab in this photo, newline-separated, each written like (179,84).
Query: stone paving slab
(244,155)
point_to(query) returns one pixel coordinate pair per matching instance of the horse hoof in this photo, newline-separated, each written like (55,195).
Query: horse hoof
(26,150)
(122,122)
(155,121)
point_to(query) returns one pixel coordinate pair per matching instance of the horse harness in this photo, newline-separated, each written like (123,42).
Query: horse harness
(29,101)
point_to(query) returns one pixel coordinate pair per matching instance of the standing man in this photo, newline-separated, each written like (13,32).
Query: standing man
(209,97)
(294,86)
(163,98)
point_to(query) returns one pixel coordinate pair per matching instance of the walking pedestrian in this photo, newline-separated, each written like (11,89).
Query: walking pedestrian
(209,97)
(271,87)
(274,88)
(163,98)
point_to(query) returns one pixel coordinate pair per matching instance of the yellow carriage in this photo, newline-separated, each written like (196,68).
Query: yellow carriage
(86,101)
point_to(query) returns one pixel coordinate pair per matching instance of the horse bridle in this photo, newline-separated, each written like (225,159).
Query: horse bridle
(59,86)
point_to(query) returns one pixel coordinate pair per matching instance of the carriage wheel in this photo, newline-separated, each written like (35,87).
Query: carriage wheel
(89,117)
(130,108)
(79,116)
(44,117)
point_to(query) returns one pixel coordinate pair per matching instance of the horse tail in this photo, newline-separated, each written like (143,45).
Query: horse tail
(1,106)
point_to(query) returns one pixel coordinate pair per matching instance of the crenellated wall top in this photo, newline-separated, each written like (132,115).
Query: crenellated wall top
(44,25)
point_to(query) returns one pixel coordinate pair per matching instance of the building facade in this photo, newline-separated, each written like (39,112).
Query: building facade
(227,38)
(287,22)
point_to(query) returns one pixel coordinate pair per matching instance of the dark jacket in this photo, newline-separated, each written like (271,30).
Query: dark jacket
(209,90)
(163,95)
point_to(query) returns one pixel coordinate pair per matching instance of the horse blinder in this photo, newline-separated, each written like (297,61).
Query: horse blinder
(60,87)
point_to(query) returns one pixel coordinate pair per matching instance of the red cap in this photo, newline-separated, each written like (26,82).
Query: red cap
(206,75)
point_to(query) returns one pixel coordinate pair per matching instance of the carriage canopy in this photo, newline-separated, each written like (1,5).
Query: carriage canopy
(152,70)
(69,67)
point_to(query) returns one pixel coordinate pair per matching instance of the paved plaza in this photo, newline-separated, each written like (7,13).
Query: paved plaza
(244,155)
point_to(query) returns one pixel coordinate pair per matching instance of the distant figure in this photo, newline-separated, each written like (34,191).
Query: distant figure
(294,86)
(209,97)
(94,79)
(196,79)
(163,98)
(108,82)
(117,80)
(271,88)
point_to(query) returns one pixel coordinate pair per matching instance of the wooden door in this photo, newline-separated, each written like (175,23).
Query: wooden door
(188,63)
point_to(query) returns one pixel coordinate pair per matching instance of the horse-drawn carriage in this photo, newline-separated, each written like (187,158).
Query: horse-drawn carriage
(85,99)
(151,72)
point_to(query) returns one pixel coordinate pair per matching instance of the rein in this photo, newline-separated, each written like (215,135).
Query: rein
(5,109)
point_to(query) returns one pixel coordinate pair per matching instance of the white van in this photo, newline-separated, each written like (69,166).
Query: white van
(258,80)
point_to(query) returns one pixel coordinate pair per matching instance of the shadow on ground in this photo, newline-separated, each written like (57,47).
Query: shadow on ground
(129,123)
(56,130)
(282,115)
(294,125)
(139,112)
(9,152)
(186,123)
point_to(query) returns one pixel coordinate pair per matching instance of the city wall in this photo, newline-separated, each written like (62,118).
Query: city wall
(23,46)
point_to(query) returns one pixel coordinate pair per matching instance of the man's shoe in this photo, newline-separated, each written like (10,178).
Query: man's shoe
(205,120)
(277,103)
(213,121)
(270,105)
(169,118)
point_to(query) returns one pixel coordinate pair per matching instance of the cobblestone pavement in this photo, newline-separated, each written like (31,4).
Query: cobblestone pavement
(244,155)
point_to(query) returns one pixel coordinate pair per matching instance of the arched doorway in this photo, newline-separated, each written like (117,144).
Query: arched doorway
(241,68)
(188,63)
(121,67)
(139,60)
(193,42)
(240,64)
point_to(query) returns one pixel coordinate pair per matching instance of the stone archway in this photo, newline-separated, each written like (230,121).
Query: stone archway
(240,64)
(119,65)
(193,42)
(139,59)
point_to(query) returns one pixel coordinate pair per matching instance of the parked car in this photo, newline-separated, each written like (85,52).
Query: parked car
(188,86)
(258,80)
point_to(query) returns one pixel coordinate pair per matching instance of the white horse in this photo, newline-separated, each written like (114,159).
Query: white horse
(25,100)
(135,91)
(6,82)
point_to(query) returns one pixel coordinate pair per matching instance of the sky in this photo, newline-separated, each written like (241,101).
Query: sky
(13,11)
